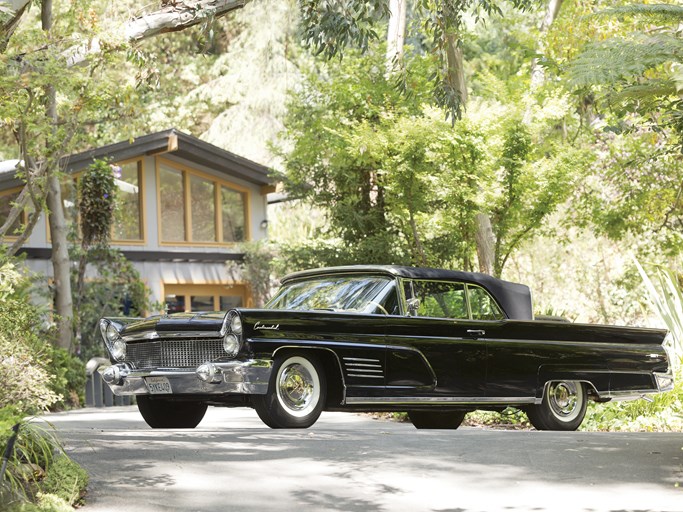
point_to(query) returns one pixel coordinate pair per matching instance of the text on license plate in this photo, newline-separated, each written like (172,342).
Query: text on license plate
(158,385)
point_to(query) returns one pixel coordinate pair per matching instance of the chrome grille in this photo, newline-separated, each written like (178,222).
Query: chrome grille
(362,367)
(186,353)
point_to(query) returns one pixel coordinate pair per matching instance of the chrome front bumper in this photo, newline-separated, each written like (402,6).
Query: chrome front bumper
(249,377)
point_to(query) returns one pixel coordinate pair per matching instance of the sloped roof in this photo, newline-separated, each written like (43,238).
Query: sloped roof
(169,141)
(181,145)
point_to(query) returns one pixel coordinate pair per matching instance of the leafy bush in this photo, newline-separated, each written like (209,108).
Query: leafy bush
(66,480)
(38,469)
(663,413)
(24,354)
(68,379)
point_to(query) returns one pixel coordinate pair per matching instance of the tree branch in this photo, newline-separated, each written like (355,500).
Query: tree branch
(18,9)
(170,18)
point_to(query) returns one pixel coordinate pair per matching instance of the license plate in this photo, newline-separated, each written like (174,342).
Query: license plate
(158,385)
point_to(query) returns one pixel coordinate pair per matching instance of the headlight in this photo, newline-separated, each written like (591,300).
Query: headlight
(118,349)
(231,344)
(113,340)
(112,334)
(236,325)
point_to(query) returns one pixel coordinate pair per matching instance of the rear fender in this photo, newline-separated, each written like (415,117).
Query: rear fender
(596,378)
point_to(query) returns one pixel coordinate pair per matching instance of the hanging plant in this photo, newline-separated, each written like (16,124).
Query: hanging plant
(97,195)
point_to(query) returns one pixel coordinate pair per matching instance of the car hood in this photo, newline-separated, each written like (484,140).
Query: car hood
(174,323)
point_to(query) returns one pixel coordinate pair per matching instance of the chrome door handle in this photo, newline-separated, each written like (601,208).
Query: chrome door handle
(477,333)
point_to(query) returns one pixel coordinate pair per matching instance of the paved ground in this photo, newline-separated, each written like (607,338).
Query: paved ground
(348,462)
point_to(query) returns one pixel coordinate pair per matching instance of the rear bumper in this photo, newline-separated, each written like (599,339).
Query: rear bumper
(249,377)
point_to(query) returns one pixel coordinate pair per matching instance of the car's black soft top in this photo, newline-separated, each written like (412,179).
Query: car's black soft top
(514,298)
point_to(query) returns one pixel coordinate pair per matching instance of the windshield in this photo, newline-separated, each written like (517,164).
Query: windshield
(363,294)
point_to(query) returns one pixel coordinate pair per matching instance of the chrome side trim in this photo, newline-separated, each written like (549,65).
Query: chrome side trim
(436,400)
(364,368)
(622,396)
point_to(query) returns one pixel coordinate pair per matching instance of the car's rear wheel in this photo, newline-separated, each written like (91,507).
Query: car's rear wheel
(164,413)
(563,406)
(437,419)
(296,393)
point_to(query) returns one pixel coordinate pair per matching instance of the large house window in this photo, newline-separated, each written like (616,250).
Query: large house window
(128,215)
(6,201)
(198,208)
(172,204)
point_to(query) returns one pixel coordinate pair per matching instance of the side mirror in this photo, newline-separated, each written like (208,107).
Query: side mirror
(413,306)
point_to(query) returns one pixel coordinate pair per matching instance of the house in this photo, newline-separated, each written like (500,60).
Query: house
(184,205)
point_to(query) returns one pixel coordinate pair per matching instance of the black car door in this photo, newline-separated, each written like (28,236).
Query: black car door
(435,350)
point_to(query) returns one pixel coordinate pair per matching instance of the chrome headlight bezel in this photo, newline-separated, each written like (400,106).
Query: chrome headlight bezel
(113,340)
(231,332)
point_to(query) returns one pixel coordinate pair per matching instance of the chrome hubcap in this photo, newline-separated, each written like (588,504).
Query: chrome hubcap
(563,398)
(296,388)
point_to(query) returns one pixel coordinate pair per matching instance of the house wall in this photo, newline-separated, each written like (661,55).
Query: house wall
(159,274)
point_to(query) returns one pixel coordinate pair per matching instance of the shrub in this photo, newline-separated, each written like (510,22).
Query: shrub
(68,379)
(24,354)
(66,480)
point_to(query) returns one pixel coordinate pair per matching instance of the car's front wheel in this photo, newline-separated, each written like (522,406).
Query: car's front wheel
(563,406)
(296,393)
(164,413)
(437,419)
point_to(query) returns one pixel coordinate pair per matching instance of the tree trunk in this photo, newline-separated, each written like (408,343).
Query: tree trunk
(486,243)
(537,72)
(396,34)
(61,264)
(455,75)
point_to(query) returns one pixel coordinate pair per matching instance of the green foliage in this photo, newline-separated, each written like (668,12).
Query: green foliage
(634,188)
(664,413)
(400,185)
(666,299)
(96,202)
(38,469)
(68,380)
(65,479)
(117,291)
(258,269)
(330,26)
(24,353)
(638,70)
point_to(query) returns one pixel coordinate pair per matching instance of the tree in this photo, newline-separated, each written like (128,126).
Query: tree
(632,77)
(48,114)
(331,26)
(400,185)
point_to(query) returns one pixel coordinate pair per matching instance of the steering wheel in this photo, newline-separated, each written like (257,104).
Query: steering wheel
(379,306)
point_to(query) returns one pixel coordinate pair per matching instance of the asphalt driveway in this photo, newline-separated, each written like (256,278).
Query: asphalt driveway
(353,463)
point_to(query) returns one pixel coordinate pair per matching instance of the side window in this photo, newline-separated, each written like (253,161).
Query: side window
(483,306)
(439,299)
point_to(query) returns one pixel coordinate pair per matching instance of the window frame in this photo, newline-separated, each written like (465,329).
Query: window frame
(187,172)
(466,286)
(216,290)
(142,205)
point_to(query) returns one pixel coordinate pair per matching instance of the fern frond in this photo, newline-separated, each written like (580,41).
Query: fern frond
(669,14)
(617,59)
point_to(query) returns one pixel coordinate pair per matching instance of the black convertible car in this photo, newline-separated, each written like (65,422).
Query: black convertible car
(434,343)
